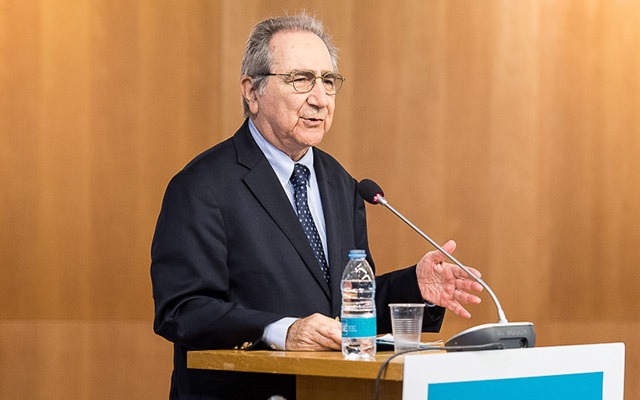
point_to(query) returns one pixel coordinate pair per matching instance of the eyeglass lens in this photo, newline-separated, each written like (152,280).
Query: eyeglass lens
(304,81)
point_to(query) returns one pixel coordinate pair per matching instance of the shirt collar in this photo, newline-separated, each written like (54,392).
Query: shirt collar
(280,162)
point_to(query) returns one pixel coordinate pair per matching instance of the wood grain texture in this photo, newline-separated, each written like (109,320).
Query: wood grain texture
(511,127)
(82,359)
(329,363)
(320,388)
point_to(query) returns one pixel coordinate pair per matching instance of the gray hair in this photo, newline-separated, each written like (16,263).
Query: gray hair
(257,56)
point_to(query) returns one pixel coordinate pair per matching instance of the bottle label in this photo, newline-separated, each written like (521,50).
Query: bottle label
(358,327)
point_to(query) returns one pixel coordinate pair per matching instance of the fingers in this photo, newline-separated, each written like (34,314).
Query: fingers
(314,333)
(459,310)
(461,273)
(463,285)
(459,297)
(447,284)
(468,284)
(450,246)
(475,272)
(465,297)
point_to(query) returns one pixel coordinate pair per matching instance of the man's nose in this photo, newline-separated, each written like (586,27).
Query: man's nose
(318,95)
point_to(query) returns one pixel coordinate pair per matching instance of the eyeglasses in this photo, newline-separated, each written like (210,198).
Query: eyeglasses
(303,81)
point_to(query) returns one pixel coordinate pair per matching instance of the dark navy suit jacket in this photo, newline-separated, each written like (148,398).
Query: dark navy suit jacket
(229,257)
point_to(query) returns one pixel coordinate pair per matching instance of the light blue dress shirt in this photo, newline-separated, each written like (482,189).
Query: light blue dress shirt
(275,334)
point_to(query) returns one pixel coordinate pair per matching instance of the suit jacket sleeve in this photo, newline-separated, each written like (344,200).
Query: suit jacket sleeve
(191,284)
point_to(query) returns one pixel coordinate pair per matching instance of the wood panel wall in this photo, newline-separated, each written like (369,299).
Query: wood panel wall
(510,126)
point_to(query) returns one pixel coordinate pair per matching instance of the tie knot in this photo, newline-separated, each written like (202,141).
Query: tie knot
(300,175)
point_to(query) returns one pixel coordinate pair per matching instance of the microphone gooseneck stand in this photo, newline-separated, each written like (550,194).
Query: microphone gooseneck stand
(506,334)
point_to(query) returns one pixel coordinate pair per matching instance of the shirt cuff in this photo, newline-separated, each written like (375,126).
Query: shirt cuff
(275,334)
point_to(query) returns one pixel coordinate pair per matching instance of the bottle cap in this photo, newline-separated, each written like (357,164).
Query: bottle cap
(357,253)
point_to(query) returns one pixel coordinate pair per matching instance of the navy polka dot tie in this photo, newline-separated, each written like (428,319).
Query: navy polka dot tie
(299,179)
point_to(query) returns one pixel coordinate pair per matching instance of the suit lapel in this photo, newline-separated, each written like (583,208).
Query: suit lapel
(331,207)
(265,186)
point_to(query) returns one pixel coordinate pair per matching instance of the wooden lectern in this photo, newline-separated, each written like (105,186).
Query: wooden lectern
(579,372)
(319,375)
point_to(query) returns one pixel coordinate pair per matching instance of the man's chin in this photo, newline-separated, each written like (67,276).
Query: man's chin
(312,137)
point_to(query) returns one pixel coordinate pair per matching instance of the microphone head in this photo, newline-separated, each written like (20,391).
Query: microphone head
(369,190)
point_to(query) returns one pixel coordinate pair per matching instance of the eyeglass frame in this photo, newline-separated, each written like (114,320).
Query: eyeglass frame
(292,81)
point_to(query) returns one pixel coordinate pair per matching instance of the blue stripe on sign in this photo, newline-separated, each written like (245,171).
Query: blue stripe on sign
(584,386)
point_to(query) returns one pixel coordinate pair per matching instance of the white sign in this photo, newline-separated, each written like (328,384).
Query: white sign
(583,372)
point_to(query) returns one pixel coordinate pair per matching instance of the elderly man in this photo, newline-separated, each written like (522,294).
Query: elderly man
(232,264)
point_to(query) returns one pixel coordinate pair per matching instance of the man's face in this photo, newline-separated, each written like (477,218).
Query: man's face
(289,120)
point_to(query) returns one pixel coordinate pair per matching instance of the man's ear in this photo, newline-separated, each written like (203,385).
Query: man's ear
(249,93)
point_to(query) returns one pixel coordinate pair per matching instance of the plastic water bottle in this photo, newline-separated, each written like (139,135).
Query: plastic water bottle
(358,314)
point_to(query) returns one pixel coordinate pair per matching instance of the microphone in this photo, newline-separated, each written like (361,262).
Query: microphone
(507,334)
